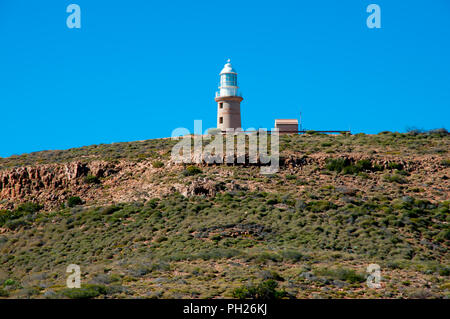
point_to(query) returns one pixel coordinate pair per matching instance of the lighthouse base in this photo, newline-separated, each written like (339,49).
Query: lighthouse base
(229,112)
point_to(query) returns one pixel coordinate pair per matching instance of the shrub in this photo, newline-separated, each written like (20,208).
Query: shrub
(420,294)
(217,253)
(393,165)
(395,179)
(266,256)
(345,166)
(74,201)
(443,235)
(364,165)
(15,223)
(337,164)
(264,290)
(439,132)
(320,206)
(91,179)
(10,282)
(402,172)
(414,131)
(158,164)
(191,170)
(6,215)
(110,210)
(29,207)
(273,275)
(292,255)
(3,293)
(85,292)
(343,274)
(396,264)
(153,203)
(160,239)
(444,271)
(15,219)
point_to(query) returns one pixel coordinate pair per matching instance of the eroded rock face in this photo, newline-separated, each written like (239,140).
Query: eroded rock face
(199,187)
(50,182)
(425,162)
(298,160)
(295,161)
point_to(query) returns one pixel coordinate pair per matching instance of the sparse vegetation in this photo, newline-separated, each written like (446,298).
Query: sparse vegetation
(338,204)
(345,166)
(446,163)
(264,290)
(191,170)
(395,178)
(86,292)
(343,274)
(91,179)
(157,164)
(74,201)
(176,232)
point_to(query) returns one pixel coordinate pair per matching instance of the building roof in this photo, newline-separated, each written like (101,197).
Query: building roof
(228,68)
(286,121)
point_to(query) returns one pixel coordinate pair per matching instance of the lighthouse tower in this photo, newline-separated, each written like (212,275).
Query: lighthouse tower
(228,100)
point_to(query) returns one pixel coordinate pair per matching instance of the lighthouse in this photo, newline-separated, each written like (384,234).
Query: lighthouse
(228,99)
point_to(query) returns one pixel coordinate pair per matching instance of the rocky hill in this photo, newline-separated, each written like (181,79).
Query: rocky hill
(140,225)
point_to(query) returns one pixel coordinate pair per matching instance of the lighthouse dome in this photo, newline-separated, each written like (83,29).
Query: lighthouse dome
(228,68)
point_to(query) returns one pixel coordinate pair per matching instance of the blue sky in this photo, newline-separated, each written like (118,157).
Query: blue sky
(139,69)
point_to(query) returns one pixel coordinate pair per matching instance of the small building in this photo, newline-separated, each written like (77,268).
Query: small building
(287,126)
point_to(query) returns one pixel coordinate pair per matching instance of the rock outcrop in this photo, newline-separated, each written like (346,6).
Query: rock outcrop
(53,184)
(49,183)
